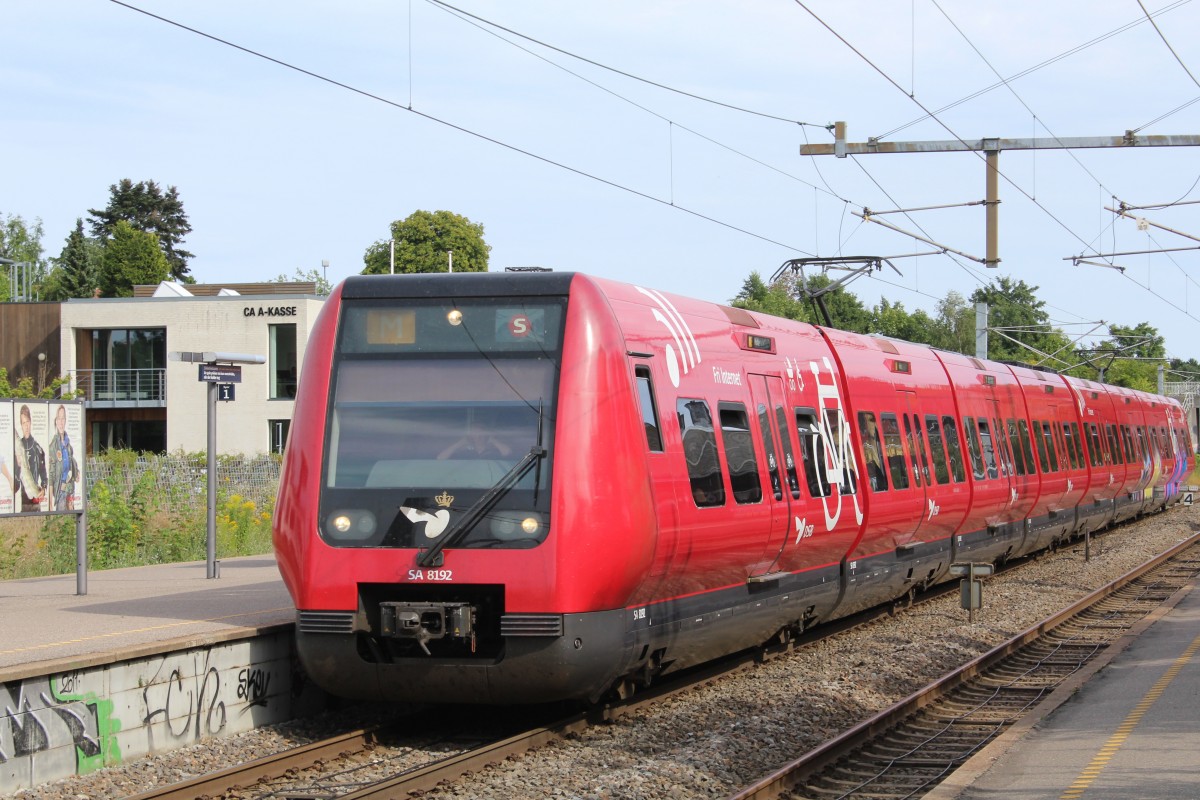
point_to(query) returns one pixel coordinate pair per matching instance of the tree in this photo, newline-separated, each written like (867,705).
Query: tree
(782,299)
(131,257)
(76,271)
(1019,327)
(1137,353)
(957,318)
(144,206)
(777,299)
(21,242)
(309,276)
(423,242)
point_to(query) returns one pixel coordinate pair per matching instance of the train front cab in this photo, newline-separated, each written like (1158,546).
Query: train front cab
(454,578)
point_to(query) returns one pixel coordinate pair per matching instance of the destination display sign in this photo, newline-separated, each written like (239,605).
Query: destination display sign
(220,373)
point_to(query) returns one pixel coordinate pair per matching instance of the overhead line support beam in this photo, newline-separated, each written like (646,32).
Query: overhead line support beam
(991,149)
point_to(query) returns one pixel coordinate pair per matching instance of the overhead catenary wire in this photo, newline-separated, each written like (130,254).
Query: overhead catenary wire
(625,74)
(483,25)
(462,129)
(1036,67)
(935,118)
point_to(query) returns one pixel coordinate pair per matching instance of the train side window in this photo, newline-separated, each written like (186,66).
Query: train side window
(1154,441)
(700,452)
(1003,454)
(1069,445)
(1095,449)
(1014,439)
(789,461)
(840,451)
(920,434)
(1131,455)
(1026,447)
(649,412)
(989,454)
(1114,446)
(739,453)
(1041,447)
(1048,435)
(1078,444)
(872,452)
(812,450)
(912,450)
(973,446)
(764,426)
(937,448)
(894,450)
(1064,457)
(954,450)
(1142,445)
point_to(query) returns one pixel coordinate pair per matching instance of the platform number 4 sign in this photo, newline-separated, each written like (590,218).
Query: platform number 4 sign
(225,392)
(1187,498)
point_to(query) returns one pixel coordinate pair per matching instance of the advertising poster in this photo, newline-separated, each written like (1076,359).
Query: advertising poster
(30,476)
(64,457)
(7,448)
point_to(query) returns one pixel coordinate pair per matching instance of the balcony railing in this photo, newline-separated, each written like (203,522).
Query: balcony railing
(121,388)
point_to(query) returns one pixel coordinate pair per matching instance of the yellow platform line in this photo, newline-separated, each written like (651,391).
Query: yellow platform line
(147,629)
(1110,748)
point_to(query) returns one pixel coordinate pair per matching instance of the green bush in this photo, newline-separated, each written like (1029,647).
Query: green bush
(150,509)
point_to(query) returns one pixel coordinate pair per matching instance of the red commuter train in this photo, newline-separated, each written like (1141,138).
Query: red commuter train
(524,487)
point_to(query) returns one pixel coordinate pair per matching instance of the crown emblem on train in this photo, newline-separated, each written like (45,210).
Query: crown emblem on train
(444,499)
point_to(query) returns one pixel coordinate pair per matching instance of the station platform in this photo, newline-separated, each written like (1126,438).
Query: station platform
(135,612)
(1127,731)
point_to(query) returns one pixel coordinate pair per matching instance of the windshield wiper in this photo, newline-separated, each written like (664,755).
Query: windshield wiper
(472,516)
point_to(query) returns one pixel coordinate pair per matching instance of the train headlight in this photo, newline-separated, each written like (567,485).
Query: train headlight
(516,525)
(350,525)
(454,317)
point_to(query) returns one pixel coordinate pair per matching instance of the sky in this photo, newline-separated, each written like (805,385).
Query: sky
(655,143)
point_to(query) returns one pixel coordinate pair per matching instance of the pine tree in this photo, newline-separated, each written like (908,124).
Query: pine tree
(144,206)
(78,266)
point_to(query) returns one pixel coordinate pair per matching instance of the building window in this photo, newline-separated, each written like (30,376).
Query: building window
(278,430)
(143,436)
(283,361)
(127,364)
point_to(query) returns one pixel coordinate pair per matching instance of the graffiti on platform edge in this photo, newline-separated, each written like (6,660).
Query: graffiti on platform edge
(35,718)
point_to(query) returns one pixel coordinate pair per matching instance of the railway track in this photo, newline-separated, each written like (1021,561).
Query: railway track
(350,766)
(910,748)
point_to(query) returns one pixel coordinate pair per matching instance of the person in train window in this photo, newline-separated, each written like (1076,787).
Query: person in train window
(871,452)
(476,443)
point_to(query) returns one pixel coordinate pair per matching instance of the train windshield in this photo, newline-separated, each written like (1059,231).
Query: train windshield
(434,404)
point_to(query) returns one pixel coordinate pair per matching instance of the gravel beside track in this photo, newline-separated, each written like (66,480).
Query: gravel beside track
(716,738)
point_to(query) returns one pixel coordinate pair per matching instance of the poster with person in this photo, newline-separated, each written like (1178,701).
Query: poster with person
(63,457)
(30,476)
(6,458)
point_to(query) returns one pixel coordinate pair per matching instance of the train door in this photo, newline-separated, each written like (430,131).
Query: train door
(782,483)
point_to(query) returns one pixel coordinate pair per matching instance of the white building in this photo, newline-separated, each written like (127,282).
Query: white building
(116,352)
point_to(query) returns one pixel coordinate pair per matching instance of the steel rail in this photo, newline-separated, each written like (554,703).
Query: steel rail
(795,773)
(265,768)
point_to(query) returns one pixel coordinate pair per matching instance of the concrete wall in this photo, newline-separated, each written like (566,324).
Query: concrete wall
(238,324)
(74,722)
